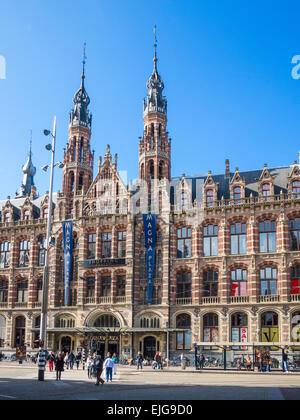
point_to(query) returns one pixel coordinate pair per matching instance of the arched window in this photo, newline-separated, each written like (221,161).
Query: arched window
(72,182)
(237,195)
(268,281)
(4,254)
(81,150)
(238,238)
(210,281)
(80,181)
(239,328)
(209,198)
(151,169)
(210,240)
(211,328)
(239,282)
(150,322)
(269,327)
(160,170)
(267,236)
(20,325)
(24,253)
(295,234)
(107,321)
(183,339)
(266,191)
(65,322)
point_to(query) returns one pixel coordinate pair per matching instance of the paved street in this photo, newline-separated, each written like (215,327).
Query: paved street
(19,382)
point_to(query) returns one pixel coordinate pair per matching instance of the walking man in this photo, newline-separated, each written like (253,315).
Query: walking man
(109,365)
(98,365)
(51,361)
(285,359)
(139,360)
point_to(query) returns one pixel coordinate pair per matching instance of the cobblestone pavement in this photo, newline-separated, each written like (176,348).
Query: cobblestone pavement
(20,383)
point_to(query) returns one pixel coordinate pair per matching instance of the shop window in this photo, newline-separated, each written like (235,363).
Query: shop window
(296,327)
(239,328)
(20,325)
(183,339)
(2,330)
(210,240)
(269,327)
(211,328)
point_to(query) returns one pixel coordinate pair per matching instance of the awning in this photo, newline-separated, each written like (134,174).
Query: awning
(106,330)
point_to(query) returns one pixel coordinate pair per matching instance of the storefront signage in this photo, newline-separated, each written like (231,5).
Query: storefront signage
(106,262)
(68,251)
(150,243)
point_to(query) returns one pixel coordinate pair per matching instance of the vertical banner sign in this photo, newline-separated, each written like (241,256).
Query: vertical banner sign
(68,251)
(150,243)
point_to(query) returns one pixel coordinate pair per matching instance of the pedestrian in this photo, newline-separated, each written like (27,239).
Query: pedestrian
(201,361)
(89,365)
(248,362)
(98,366)
(239,364)
(268,362)
(71,360)
(51,361)
(139,361)
(59,366)
(66,359)
(285,359)
(260,362)
(157,360)
(109,365)
(78,360)
(182,361)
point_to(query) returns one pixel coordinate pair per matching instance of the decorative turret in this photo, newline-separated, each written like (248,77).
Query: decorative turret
(29,172)
(80,114)
(155,145)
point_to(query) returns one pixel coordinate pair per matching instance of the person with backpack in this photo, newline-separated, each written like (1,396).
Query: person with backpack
(89,365)
(98,367)
(109,365)
(51,360)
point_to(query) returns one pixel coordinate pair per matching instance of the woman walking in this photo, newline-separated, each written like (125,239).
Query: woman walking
(89,365)
(51,361)
(59,366)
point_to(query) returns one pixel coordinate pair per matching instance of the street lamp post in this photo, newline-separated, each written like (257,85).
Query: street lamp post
(43,329)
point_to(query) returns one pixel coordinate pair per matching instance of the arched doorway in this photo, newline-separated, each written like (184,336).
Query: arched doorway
(149,347)
(66,344)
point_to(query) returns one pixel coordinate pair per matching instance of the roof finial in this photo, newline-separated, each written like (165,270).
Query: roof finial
(155,46)
(84,61)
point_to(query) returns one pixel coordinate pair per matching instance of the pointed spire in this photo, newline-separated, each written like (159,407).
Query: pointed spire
(80,115)
(155,85)
(29,172)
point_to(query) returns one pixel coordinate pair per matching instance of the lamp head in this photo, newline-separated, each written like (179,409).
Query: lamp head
(48,147)
(45,168)
(47,132)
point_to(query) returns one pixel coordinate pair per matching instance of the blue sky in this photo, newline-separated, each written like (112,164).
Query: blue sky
(226,67)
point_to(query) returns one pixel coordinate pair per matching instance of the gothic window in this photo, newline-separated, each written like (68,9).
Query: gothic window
(81,150)
(4,254)
(184,285)
(184,242)
(209,198)
(183,339)
(210,280)
(80,181)
(121,285)
(72,182)
(24,253)
(121,244)
(238,238)
(3,291)
(107,321)
(210,240)
(92,246)
(295,234)
(42,250)
(268,281)
(22,291)
(105,287)
(239,282)
(267,236)
(151,170)
(296,188)
(106,244)
(295,279)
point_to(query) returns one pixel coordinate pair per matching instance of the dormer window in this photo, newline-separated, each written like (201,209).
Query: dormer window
(45,213)
(209,198)
(296,189)
(237,195)
(26,215)
(7,217)
(266,191)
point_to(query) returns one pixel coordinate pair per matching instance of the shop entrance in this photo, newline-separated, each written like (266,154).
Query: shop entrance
(149,347)
(66,344)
